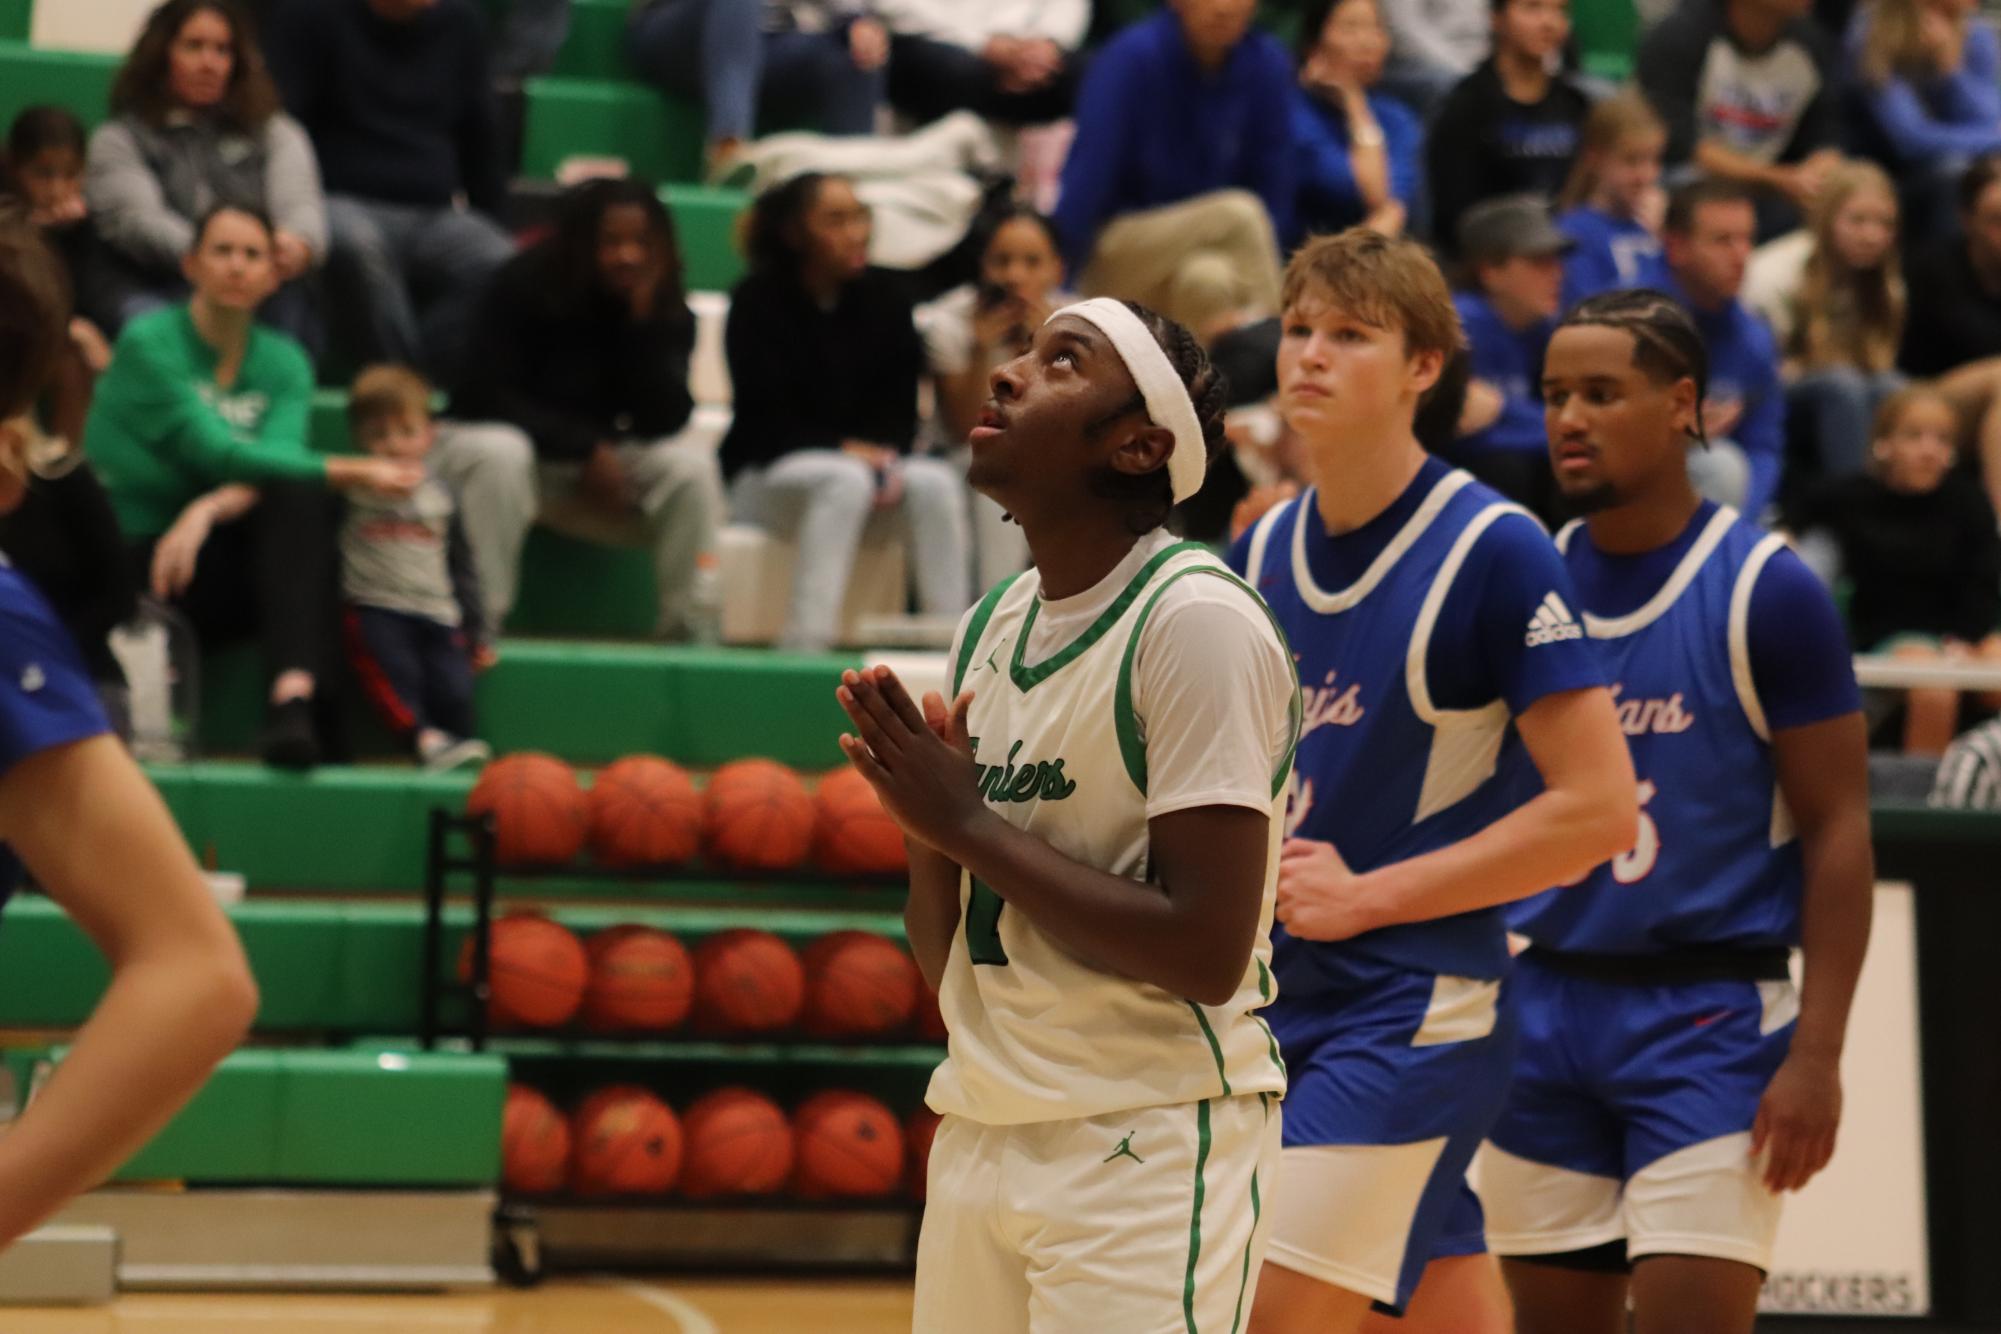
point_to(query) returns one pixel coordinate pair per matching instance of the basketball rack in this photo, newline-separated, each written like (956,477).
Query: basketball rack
(532,1233)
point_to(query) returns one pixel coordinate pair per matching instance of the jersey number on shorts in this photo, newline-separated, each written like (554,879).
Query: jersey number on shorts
(1637,862)
(983,942)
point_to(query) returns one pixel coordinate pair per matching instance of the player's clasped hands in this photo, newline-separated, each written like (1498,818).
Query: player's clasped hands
(920,763)
(1317,893)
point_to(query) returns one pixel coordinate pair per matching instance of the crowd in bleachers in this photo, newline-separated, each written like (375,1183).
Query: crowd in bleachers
(297,192)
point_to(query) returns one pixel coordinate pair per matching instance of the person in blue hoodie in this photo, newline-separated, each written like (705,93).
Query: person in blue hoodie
(1181,178)
(1360,151)
(1928,76)
(1514,258)
(1707,248)
(1613,202)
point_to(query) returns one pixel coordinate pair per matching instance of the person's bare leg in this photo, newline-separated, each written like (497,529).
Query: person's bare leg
(1460,1294)
(1693,1294)
(1552,1300)
(1988,651)
(1931,713)
(1288,1302)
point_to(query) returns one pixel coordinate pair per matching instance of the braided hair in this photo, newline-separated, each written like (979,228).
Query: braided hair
(1149,497)
(1666,343)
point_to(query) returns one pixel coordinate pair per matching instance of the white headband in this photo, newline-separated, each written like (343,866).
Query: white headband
(1167,400)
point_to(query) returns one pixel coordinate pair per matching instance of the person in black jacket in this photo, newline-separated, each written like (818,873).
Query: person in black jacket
(398,98)
(64,537)
(574,404)
(1510,127)
(825,358)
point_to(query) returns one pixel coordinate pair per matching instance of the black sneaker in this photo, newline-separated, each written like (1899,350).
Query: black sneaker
(289,741)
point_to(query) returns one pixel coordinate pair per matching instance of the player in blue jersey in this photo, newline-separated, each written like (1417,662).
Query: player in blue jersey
(1671,1082)
(76,810)
(1458,752)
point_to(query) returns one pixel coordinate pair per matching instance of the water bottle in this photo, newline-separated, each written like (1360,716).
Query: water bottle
(705,600)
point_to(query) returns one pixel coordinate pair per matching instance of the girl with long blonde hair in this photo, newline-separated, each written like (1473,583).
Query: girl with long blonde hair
(1612,204)
(1835,297)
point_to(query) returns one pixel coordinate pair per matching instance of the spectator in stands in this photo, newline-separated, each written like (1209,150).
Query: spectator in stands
(576,396)
(804,64)
(1708,234)
(398,98)
(1834,297)
(972,330)
(1956,282)
(196,122)
(1511,126)
(1358,149)
(1930,80)
(1434,44)
(1613,202)
(1180,179)
(64,536)
(415,627)
(201,404)
(44,172)
(1917,540)
(1748,90)
(825,360)
(529,39)
(1513,253)
(1014,62)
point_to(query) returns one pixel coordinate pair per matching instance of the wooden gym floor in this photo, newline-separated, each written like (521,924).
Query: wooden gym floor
(566,1306)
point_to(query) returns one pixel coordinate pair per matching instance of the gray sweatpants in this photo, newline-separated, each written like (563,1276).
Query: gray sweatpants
(676,507)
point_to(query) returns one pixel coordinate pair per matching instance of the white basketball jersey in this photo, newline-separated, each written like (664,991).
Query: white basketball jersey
(1037,1034)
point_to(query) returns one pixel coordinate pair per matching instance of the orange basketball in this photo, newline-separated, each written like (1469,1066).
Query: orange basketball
(849,1146)
(854,835)
(645,812)
(918,1132)
(760,816)
(930,1019)
(536,971)
(628,1143)
(739,1143)
(640,979)
(534,1143)
(747,982)
(537,808)
(858,986)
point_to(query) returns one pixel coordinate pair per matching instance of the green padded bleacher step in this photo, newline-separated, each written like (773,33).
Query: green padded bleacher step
(366,828)
(593,702)
(80,81)
(595,48)
(16,18)
(705,222)
(352,1118)
(658,138)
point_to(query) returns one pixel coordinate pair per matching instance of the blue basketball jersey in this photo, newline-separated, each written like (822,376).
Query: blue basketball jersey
(47,698)
(1716,863)
(1385,770)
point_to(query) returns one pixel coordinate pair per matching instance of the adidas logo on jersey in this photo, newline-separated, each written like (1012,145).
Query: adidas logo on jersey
(1552,623)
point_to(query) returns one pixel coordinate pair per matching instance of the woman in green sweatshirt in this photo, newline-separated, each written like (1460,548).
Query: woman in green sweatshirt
(198,430)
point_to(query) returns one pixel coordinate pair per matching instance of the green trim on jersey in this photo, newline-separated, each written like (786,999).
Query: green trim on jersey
(1195,1221)
(975,628)
(1264,991)
(1257,1208)
(1126,720)
(1215,1047)
(1027,678)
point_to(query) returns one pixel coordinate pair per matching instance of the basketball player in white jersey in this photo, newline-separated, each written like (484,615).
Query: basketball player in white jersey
(1093,826)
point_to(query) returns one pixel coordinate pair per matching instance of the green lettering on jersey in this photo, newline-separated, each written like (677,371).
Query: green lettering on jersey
(1034,780)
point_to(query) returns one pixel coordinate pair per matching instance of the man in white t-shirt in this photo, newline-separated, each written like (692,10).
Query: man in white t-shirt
(1093,826)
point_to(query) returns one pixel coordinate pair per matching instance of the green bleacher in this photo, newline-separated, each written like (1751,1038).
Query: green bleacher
(33,77)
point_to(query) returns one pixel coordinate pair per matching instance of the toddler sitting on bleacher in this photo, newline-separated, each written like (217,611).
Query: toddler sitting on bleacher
(415,631)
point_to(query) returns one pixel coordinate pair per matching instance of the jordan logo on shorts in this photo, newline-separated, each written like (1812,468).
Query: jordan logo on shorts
(1125,1149)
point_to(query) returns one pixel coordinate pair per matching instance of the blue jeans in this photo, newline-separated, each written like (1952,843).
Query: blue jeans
(387,260)
(717,50)
(1839,402)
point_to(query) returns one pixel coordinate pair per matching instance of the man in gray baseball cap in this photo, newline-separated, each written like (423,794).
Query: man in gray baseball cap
(1513,259)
